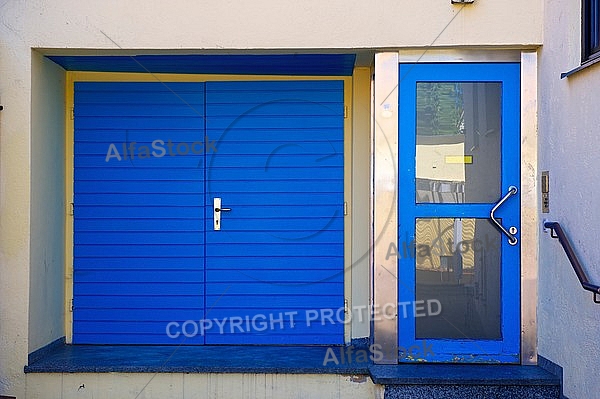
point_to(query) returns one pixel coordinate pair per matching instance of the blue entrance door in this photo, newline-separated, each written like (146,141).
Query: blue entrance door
(153,265)
(458,242)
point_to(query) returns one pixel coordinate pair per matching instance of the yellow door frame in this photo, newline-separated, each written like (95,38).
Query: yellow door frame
(75,76)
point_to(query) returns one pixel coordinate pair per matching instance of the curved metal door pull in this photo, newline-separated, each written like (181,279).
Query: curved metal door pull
(512,239)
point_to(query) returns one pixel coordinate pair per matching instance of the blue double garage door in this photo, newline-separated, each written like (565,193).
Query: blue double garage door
(149,161)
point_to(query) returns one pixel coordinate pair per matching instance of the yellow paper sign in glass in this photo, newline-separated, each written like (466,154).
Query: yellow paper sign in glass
(460,159)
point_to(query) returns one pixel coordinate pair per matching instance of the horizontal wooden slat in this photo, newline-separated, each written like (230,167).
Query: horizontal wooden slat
(134,212)
(137,110)
(326,236)
(133,327)
(158,122)
(276,173)
(335,263)
(192,187)
(139,302)
(272,304)
(280,136)
(333,338)
(262,277)
(215,288)
(139,187)
(139,173)
(261,249)
(138,263)
(316,315)
(270,122)
(183,199)
(166,147)
(276,107)
(131,238)
(129,250)
(139,289)
(288,88)
(128,225)
(140,276)
(141,315)
(141,88)
(135,339)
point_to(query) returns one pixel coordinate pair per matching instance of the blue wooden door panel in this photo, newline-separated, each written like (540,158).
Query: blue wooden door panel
(279,166)
(145,254)
(506,348)
(138,222)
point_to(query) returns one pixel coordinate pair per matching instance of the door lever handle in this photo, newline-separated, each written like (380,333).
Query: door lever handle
(217,210)
(510,233)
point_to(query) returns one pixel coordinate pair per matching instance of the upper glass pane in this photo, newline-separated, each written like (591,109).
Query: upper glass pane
(458,139)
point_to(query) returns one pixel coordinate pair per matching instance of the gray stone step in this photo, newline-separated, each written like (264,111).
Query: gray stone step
(469,381)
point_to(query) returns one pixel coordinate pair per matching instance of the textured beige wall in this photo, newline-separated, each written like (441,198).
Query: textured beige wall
(237,24)
(569,136)
(15,160)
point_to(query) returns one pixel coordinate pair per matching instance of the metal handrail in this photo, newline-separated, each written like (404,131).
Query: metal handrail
(556,231)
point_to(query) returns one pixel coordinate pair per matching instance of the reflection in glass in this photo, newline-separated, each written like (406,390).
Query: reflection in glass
(458,264)
(458,142)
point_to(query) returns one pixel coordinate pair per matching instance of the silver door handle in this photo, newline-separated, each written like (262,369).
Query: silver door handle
(510,233)
(217,210)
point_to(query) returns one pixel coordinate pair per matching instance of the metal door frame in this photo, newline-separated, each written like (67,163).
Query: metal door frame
(385,182)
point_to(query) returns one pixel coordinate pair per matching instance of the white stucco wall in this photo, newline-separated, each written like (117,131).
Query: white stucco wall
(30,90)
(569,137)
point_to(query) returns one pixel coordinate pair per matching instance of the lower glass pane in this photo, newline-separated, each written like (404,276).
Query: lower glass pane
(458,269)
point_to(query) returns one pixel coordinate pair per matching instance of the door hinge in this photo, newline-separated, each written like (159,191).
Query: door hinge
(72,113)
(71,307)
(71,208)
(345,111)
(345,208)
(346,306)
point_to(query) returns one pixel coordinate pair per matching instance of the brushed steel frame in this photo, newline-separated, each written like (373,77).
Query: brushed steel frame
(385,181)
(530,230)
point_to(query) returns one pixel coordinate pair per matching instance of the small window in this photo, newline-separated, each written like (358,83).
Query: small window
(591,29)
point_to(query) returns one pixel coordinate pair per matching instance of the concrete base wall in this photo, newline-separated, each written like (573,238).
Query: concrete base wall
(200,386)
